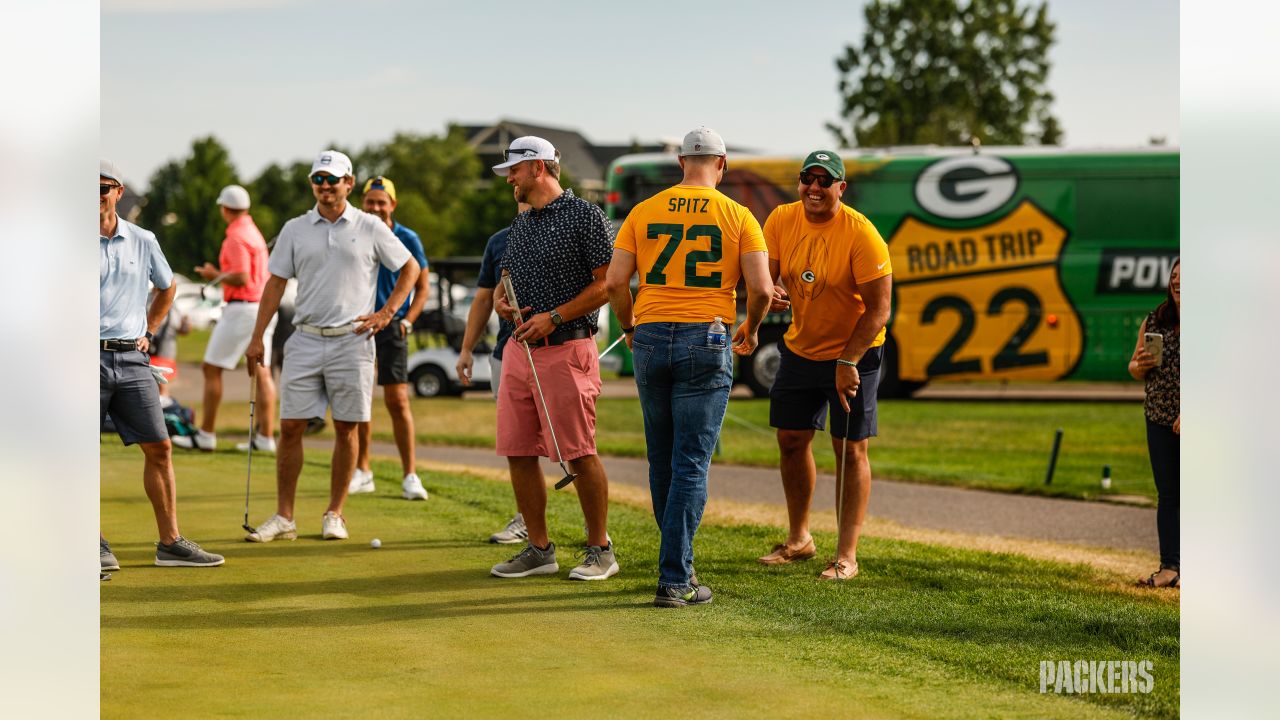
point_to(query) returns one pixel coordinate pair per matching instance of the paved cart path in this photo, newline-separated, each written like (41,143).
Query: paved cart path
(930,507)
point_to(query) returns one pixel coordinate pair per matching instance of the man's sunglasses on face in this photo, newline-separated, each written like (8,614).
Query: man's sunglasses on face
(319,179)
(824,181)
(104,188)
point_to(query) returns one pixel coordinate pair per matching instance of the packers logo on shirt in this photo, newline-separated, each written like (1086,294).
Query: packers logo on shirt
(808,263)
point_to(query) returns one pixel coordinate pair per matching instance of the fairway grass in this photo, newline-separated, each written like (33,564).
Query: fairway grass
(418,629)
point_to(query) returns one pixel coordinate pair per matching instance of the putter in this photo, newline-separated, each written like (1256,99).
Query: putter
(253,431)
(511,297)
(844,460)
(612,345)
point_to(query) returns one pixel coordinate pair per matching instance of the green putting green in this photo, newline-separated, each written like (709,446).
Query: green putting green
(417,628)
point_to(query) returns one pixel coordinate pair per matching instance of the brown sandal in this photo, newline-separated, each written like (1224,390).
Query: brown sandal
(1150,582)
(781,554)
(839,570)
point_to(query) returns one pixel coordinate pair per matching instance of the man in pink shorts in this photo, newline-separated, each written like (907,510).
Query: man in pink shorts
(557,254)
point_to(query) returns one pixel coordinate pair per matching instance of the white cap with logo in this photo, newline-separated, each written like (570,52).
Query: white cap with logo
(524,148)
(334,163)
(234,197)
(703,141)
(107,169)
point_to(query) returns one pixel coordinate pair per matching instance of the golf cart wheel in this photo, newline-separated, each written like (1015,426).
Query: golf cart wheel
(429,381)
(760,368)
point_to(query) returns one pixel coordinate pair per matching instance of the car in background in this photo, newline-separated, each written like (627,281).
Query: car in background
(199,302)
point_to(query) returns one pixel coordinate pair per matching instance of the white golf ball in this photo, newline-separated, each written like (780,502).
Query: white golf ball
(375,543)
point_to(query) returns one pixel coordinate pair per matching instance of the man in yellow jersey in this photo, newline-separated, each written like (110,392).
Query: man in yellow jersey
(690,245)
(838,282)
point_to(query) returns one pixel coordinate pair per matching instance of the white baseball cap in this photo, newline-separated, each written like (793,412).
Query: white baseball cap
(234,197)
(524,148)
(334,163)
(702,141)
(107,169)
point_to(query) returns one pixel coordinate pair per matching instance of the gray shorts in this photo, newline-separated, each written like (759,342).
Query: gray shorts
(495,372)
(128,391)
(327,372)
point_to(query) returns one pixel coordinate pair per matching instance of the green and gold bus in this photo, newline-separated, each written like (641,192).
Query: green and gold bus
(1008,263)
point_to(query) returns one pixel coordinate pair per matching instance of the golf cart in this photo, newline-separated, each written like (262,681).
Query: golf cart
(440,329)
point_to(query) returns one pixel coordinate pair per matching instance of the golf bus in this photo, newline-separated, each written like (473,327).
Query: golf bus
(1008,263)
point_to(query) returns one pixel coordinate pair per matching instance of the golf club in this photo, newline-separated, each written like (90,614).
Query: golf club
(511,298)
(612,345)
(844,460)
(253,431)
(210,284)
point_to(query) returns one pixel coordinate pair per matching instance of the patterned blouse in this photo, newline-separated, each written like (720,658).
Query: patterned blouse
(1163,382)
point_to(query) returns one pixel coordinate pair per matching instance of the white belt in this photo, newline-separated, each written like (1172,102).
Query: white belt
(327,331)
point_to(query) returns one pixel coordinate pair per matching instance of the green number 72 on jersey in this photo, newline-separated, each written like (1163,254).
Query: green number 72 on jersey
(675,234)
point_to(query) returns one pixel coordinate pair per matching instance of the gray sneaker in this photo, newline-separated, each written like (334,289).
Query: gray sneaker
(598,563)
(669,597)
(514,532)
(106,557)
(530,561)
(184,553)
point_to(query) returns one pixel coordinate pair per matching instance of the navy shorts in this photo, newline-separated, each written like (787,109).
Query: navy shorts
(128,391)
(804,389)
(393,355)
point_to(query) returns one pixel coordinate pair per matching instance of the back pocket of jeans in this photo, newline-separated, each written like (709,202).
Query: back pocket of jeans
(710,366)
(640,355)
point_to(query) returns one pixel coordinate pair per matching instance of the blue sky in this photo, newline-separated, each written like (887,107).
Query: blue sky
(275,80)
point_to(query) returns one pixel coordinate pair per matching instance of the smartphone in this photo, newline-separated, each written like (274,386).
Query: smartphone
(1154,344)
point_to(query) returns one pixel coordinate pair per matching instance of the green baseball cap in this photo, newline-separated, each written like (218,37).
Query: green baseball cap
(826,160)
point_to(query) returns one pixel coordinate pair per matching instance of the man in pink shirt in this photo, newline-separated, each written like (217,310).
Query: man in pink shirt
(243,272)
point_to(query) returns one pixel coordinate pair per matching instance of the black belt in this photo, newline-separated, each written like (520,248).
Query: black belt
(238,300)
(118,345)
(560,337)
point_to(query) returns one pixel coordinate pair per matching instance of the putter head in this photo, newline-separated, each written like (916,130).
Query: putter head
(249,529)
(568,478)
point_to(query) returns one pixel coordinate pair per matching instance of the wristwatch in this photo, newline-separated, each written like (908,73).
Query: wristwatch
(556,319)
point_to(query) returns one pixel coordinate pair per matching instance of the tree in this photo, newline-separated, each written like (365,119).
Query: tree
(280,193)
(948,71)
(181,206)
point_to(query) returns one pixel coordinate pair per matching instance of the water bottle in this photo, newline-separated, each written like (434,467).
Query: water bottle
(717,333)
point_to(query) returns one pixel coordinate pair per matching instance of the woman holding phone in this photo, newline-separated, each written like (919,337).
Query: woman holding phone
(1155,361)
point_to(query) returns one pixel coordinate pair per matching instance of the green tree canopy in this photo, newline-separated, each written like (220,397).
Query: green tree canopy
(947,72)
(181,206)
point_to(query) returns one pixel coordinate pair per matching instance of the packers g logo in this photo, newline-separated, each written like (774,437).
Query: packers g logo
(823,156)
(966,187)
(808,276)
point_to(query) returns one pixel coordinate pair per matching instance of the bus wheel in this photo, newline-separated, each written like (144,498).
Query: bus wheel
(760,368)
(891,386)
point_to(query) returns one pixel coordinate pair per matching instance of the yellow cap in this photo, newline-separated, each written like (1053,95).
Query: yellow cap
(378,182)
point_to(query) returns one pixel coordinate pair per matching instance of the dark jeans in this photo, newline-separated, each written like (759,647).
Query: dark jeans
(684,389)
(1162,445)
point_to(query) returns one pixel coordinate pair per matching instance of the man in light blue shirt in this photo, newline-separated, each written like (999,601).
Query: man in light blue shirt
(130,261)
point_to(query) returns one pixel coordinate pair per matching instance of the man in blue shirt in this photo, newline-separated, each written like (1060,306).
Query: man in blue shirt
(481,309)
(130,261)
(393,349)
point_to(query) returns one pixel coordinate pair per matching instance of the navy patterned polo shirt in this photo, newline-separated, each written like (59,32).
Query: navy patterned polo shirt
(552,252)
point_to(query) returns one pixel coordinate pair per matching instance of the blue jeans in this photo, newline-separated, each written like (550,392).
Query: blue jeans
(684,389)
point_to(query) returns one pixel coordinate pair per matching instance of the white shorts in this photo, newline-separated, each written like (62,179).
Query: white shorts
(327,372)
(231,335)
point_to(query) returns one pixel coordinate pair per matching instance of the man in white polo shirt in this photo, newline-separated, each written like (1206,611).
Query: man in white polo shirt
(334,251)
(242,269)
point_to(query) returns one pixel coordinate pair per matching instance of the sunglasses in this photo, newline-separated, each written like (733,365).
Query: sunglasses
(103,189)
(319,179)
(824,181)
(519,152)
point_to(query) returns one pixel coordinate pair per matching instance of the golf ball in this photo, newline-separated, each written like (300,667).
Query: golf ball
(375,543)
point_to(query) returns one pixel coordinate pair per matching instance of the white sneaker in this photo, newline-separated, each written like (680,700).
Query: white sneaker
(261,443)
(333,527)
(275,528)
(413,489)
(361,482)
(183,441)
(206,441)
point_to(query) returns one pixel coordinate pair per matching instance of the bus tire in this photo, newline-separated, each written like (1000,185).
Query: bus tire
(760,368)
(891,386)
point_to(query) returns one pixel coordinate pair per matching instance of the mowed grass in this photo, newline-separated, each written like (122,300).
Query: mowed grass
(418,628)
(991,445)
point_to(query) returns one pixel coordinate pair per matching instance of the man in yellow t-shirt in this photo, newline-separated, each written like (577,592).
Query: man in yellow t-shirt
(838,282)
(690,245)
